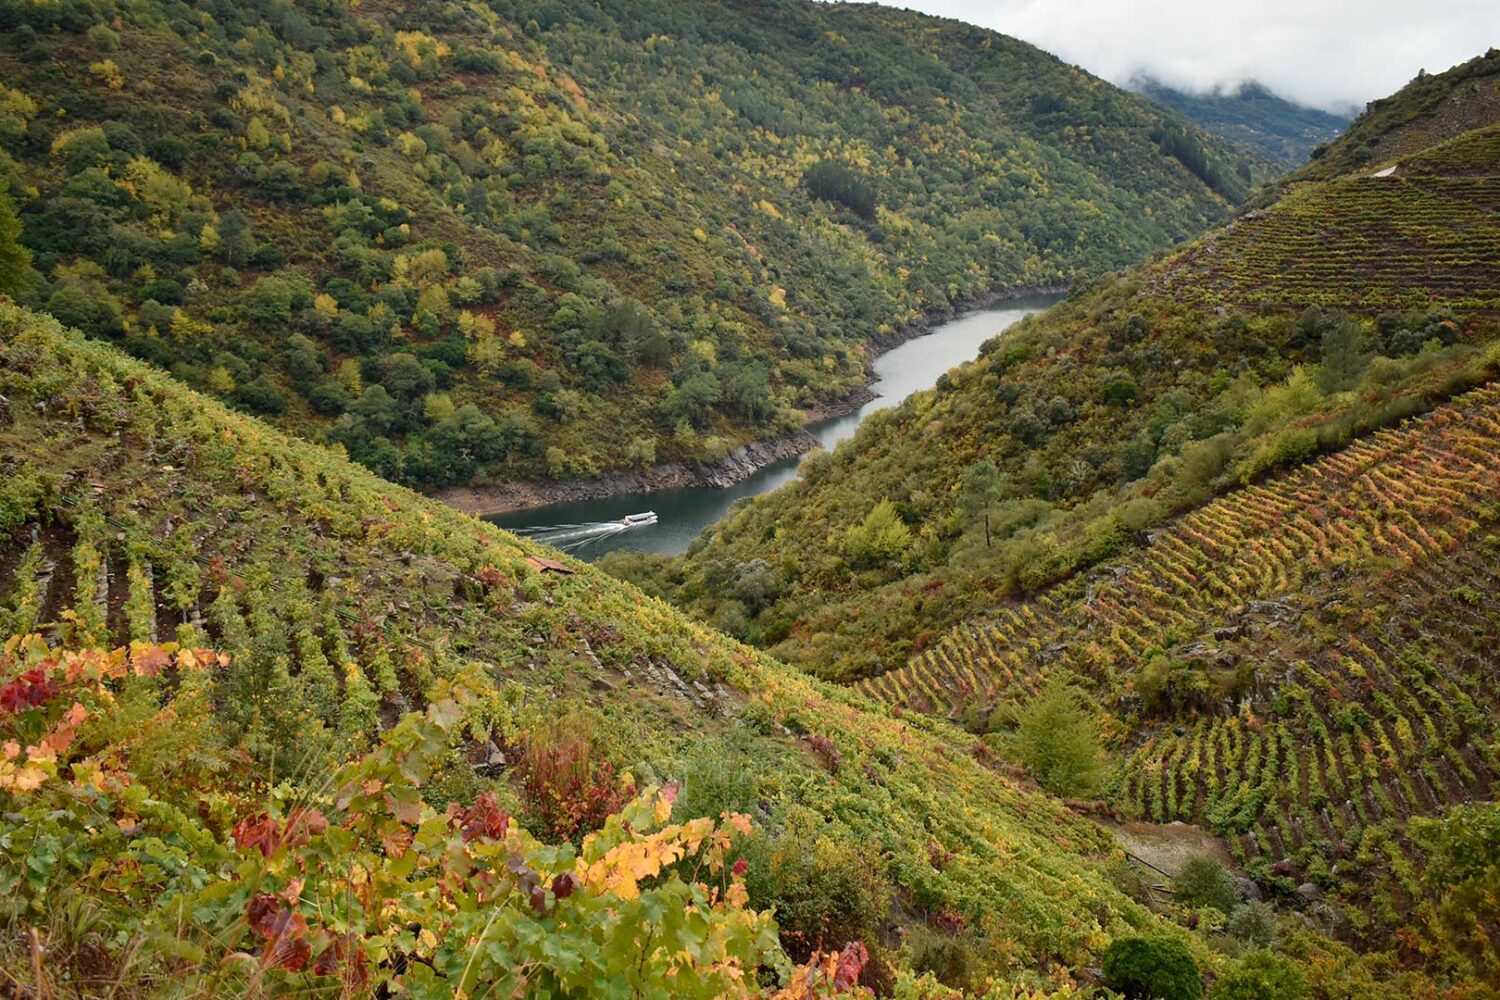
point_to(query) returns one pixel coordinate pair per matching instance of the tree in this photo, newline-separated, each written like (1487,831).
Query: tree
(1203,881)
(82,300)
(835,182)
(1253,923)
(235,242)
(15,259)
(405,377)
(880,538)
(1151,967)
(982,486)
(377,410)
(641,452)
(1058,742)
(1345,356)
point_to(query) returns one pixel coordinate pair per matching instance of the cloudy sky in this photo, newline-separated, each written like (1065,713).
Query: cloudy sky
(1322,52)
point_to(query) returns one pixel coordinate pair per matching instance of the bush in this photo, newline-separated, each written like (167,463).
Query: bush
(1261,976)
(1059,743)
(882,537)
(1253,923)
(568,787)
(1151,967)
(1202,881)
(826,889)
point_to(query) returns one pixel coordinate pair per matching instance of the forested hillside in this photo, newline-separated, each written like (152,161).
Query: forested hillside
(1252,116)
(1345,305)
(531,239)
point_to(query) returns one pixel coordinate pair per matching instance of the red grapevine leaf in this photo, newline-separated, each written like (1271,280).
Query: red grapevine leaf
(260,913)
(851,963)
(564,885)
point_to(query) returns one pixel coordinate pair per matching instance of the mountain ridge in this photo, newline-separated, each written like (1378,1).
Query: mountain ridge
(1251,114)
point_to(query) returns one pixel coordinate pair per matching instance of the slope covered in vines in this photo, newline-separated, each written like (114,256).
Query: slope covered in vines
(133,511)
(526,239)
(1302,665)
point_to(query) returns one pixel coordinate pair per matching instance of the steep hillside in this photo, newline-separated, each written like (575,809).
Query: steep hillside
(1344,305)
(1301,666)
(1252,116)
(355,742)
(132,510)
(1430,109)
(532,239)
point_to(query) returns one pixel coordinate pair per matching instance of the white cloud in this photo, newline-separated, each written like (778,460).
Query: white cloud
(1327,53)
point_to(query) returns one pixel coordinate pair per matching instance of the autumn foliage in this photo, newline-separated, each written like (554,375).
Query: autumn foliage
(358,883)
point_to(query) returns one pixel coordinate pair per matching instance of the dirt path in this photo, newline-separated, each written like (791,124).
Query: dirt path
(1167,845)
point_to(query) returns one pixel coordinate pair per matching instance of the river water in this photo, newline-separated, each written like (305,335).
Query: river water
(584,528)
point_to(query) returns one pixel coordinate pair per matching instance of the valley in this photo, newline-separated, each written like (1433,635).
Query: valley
(1133,642)
(686,512)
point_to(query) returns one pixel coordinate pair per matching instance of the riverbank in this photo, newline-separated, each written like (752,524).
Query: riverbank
(744,462)
(506,498)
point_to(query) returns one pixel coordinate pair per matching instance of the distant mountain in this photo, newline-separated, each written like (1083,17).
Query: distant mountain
(1252,116)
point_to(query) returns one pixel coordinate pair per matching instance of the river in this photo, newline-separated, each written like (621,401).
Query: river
(585,528)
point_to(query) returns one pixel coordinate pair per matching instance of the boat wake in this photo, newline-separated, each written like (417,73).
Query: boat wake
(569,537)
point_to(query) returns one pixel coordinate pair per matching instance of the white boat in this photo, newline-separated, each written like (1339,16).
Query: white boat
(639,520)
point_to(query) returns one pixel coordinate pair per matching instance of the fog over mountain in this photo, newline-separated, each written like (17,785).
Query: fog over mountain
(1324,53)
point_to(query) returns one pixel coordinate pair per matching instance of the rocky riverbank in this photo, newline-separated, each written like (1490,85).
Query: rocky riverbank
(741,464)
(744,462)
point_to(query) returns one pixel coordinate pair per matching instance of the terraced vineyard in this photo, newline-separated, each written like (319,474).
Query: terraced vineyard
(1360,243)
(1311,659)
(1475,153)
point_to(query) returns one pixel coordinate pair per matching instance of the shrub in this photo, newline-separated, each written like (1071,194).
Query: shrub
(567,786)
(1253,923)
(1151,967)
(880,538)
(826,890)
(1202,881)
(1059,744)
(1261,976)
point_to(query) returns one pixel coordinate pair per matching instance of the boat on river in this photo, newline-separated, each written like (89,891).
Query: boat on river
(639,520)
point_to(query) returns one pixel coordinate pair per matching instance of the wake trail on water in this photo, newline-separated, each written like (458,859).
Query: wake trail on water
(571,536)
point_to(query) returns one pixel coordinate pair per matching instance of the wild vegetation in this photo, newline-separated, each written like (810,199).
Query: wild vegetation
(1345,306)
(525,239)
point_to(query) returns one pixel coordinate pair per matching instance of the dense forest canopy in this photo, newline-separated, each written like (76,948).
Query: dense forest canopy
(471,241)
